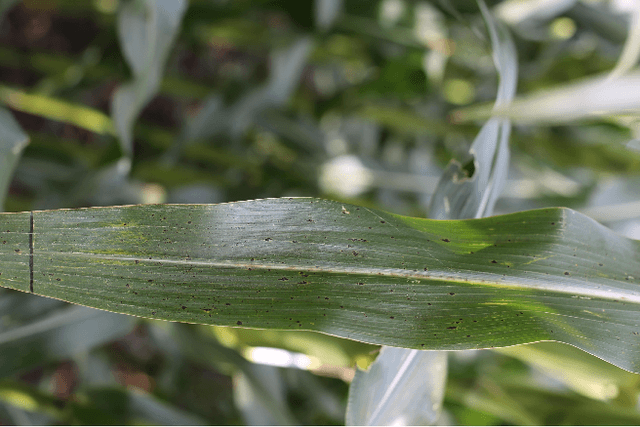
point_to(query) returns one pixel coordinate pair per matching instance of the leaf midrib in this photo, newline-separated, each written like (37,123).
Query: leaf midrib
(516,283)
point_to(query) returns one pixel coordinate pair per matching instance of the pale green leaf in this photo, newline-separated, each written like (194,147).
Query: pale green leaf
(472,191)
(406,387)
(146,30)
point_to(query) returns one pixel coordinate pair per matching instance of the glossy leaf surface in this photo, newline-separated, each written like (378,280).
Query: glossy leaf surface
(367,275)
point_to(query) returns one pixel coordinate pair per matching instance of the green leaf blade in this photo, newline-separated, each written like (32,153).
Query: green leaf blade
(308,264)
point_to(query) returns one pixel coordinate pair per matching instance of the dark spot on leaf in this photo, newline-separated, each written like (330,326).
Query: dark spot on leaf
(355,253)
(553,223)
(471,252)
(600,264)
(302,283)
(238,323)
(468,336)
(184,306)
(452,293)
(566,273)
(382,222)
(188,222)
(494,262)
(360,283)
(283,279)
(127,285)
(153,313)
(268,239)
(445,240)
(452,327)
(391,317)
(226,303)
(206,309)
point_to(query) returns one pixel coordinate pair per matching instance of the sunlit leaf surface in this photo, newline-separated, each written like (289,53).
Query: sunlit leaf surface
(367,275)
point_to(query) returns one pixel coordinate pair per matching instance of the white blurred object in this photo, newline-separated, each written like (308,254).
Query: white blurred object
(280,357)
(634,144)
(515,12)
(391,11)
(345,176)
(429,26)
(326,12)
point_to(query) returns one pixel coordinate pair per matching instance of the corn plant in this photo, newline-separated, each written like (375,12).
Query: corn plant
(305,199)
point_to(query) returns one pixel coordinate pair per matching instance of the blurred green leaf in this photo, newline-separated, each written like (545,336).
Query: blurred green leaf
(59,335)
(12,142)
(146,30)
(580,371)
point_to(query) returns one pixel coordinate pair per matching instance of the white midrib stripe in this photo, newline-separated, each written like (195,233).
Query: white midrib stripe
(467,278)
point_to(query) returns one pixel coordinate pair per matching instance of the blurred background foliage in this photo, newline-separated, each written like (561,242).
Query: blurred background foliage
(214,101)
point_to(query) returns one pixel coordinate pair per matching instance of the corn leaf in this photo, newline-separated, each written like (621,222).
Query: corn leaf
(344,270)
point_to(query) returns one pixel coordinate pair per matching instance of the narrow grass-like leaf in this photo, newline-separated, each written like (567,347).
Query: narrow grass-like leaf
(12,142)
(470,191)
(589,98)
(146,30)
(631,50)
(350,271)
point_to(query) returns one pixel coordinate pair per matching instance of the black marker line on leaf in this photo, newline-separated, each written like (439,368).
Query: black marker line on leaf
(31,252)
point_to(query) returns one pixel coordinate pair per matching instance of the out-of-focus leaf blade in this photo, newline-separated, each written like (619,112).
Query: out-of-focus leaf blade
(58,335)
(581,372)
(464,193)
(354,272)
(590,98)
(410,394)
(287,65)
(146,30)
(259,393)
(256,407)
(12,142)
(631,50)
(326,12)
